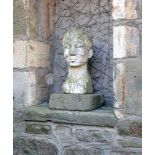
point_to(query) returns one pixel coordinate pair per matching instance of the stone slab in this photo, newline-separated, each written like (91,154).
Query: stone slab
(100,117)
(81,102)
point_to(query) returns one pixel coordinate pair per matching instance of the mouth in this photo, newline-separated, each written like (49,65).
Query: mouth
(72,60)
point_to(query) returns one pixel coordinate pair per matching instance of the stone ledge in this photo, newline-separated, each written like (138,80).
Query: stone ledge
(100,117)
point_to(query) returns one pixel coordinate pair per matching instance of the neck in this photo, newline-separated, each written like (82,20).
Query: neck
(77,72)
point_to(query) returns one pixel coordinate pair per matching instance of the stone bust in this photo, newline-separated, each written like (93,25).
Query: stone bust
(77,50)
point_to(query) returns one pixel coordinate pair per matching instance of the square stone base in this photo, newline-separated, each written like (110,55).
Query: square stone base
(77,102)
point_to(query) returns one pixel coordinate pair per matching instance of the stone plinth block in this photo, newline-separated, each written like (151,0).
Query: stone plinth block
(82,102)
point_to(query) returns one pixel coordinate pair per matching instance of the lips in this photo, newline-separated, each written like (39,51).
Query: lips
(72,59)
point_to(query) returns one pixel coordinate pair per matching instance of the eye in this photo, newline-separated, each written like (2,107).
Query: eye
(78,46)
(66,46)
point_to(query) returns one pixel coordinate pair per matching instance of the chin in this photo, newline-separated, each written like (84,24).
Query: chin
(74,65)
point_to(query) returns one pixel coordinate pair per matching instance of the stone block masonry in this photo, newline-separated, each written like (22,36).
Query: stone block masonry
(77,133)
(125,42)
(106,131)
(31,65)
(126,9)
(127,57)
(32,58)
(31,54)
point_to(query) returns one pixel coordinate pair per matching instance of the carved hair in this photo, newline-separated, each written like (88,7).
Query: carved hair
(80,35)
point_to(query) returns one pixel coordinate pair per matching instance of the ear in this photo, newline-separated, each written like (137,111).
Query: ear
(90,53)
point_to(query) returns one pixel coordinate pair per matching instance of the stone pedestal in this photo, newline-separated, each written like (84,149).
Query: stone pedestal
(76,102)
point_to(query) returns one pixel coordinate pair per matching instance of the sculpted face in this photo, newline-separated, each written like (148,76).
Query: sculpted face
(77,48)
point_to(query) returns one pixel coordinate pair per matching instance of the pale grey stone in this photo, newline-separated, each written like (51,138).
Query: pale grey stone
(63,132)
(125,9)
(77,50)
(133,88)
(119,85)
(33,146)
(103,117)
(36,128)
(130,125)
(24,89)
(81,102)
(49,79)
(25,17)
(125,41)
(126,151)
(126,141)
(81,150)
(105,137)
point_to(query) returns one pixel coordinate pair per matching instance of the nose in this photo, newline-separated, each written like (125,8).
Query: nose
(72,51)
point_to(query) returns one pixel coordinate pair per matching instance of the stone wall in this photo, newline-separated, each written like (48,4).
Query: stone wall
(98,132)
(32,55)
(59,134)
(127,69)
(62,139)
(127,57)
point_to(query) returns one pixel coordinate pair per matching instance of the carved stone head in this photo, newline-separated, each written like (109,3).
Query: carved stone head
(77,47)
(77,51)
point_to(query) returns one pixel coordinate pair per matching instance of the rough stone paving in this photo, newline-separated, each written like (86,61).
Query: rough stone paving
(92,16)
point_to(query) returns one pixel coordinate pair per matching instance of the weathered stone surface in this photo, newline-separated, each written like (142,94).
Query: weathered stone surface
(133,87)
(125,41)
(119,113)
(31,54)
(103,136)
(126,9)
(49,79)
(24,88)
(38,54)
(45,16)
(78,79)
(119,42)
(40,77)
(103,117)
(42,95)
(64,132)
(82,102)
(133,142)
(132,41)
(19,54)
(80,150)
(24,22)
(130,126)
(25,146)
(119,85)
(126,151)
(35,128)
